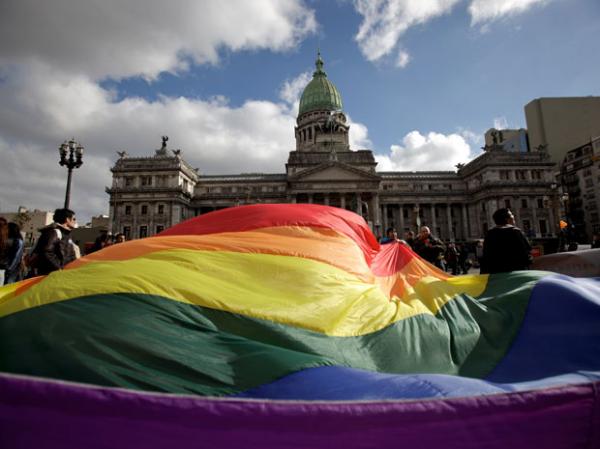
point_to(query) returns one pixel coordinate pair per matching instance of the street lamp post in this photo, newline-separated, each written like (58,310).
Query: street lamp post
(71,156)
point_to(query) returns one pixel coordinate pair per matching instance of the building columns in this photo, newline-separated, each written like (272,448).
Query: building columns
(385,216)
(465,221)
(433,220)
(376,212)
(449,220)
(534,219)
(401,217)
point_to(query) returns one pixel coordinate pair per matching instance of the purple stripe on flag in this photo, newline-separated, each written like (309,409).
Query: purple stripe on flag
(37,413)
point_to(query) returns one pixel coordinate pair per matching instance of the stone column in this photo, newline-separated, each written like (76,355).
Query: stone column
(401,219)
(343,200)
(465,221)
(310,198)
(326,199)
(477,217)
(417,215)
(358,204)
(385,216)
(433,220)
(375,211)
(534,219)
(449,220)
(492,205)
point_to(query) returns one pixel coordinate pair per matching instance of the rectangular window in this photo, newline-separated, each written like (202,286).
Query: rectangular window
(405,213)
(161,209)
(507,204)
(524,203)
(128,181)
(127,232)
(159,229)
(146,180)
(144,209)
(127,210)
(143,231)
(540,203)
(543,228)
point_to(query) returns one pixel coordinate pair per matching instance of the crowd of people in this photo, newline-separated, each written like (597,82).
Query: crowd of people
(504,249)
(52,251)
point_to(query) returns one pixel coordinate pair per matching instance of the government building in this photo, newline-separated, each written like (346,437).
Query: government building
(149,194)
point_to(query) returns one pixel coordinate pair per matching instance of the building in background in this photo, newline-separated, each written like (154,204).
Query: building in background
(30,221)
(512,140)
(559,125)
(580,173)
(150,194)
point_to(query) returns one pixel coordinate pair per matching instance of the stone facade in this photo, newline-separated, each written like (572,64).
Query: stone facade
(150,194)
(580,173)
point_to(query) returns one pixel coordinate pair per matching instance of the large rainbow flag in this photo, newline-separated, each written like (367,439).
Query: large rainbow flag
(290,326)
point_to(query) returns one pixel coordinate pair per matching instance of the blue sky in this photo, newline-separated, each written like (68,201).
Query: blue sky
(222,79)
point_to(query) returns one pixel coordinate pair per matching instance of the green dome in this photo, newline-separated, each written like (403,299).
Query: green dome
(320,93)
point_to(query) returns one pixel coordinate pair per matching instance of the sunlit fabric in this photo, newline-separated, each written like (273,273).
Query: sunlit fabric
(288,325)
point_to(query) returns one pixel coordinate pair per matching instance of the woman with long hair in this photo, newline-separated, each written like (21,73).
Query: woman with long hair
(14,268)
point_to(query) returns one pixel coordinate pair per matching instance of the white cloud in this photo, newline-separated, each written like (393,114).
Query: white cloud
(500,123)
(419,152)
(358,136)
(291,90)
(385,21)
(403,59)
(489,10)
(112,38)
(42,107)
(52,57)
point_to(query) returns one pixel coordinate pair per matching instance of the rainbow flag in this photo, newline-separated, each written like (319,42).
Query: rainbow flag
(289,325)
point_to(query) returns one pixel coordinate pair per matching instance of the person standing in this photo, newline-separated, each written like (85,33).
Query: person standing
(409,238)
(391,236)
(55,249)
(430,248)
(451,257)
(14,267)
(505,247)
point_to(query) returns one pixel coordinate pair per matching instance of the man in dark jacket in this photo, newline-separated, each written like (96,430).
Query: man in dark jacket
(505,247)
(429,248)
(55,249)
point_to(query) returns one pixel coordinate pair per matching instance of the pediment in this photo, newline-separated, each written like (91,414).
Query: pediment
(335,172)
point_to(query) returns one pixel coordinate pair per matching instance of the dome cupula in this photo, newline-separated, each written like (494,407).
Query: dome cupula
(320,94)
